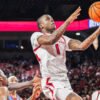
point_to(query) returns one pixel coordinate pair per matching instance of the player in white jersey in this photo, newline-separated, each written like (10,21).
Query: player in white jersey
(96,95)
(49,46)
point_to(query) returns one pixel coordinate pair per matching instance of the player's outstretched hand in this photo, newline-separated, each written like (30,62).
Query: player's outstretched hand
(99,30)
(74,15)
(36,92)
(36,78)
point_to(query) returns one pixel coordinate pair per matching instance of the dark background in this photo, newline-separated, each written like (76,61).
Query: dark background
(32,9)
(18,43)
(16,54)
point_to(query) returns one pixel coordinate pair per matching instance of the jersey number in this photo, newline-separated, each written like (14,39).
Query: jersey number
(57,49)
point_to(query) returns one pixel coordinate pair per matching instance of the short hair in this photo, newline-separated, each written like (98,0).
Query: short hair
(11,77)
(39,20)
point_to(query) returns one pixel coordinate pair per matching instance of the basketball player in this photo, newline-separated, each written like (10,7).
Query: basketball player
(3,88)
(96,95)
(49,46)
(22,85)
(4,93)
(36,91)
(13,94)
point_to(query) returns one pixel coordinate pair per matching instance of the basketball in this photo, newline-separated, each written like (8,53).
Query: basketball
(94,11)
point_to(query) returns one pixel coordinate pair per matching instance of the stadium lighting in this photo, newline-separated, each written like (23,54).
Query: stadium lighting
(78,34)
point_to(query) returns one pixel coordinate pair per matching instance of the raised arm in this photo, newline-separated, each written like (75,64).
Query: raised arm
(51,39)
(22,85)
(78,45)
(17,86)
(96,43)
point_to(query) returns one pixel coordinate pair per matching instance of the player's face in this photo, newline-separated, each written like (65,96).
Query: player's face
(13,80)
(48,23)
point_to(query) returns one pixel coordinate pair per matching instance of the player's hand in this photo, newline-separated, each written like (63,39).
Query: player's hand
(98,30)
(74,15)
(36,91)
(36,78)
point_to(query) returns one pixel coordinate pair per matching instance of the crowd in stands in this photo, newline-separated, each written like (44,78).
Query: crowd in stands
(23,69)
(85,78)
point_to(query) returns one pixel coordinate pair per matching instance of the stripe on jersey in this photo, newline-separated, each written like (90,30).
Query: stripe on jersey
(36,48)
(38,58)
(49,84)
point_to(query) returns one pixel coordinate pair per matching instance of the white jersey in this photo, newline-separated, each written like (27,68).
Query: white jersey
(96,95)
(51,58)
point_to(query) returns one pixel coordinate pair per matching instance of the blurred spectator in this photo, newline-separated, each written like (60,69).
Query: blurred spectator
(85,77)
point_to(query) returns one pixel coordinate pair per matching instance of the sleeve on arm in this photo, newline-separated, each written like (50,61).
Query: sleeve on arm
(67,39)
(34,38)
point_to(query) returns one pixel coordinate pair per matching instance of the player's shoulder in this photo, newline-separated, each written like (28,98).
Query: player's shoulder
(35,34)
(4,89)
(66,37)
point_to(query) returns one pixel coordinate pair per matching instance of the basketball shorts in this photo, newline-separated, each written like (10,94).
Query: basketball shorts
(56,90)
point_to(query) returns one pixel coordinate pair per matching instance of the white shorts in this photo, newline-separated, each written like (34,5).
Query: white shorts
(56,90)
